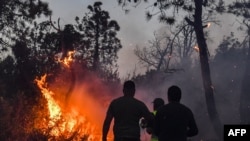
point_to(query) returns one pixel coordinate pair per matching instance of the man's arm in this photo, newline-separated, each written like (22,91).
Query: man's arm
(193,129)
(106,126)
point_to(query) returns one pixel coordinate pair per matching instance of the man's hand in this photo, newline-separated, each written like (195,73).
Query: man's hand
(143,123)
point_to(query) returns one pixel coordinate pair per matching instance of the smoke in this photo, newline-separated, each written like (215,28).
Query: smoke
(226,74)
(90,96)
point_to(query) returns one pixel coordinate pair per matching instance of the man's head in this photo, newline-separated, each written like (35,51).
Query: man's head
(174,94)
(158,102)
(129,88)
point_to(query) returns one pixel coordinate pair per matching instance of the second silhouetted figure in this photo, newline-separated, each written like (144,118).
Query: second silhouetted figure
(174,121)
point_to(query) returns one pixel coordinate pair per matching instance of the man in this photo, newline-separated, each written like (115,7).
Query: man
(126,111)
(174,121)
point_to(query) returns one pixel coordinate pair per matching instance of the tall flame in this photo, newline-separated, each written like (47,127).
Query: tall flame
(71,120)
(53,107)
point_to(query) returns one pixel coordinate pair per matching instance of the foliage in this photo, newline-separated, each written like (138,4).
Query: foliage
(99,39)
(240,8)
(18,116)
(17,35)
(169,10)
(16,17)
(230,55)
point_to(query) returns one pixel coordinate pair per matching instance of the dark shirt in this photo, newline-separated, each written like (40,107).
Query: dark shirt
(175,122)
(127,111)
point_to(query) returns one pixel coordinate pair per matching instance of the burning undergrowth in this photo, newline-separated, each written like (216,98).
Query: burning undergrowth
(77,101)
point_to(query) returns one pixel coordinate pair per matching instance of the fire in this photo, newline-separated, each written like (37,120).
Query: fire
(208,25)
(196,48)
(67,60)
(66,121)
(53,108)
(76,119)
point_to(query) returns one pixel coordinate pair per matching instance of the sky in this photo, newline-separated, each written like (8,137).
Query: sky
(135,29)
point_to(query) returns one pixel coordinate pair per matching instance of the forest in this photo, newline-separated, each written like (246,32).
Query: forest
(57,80)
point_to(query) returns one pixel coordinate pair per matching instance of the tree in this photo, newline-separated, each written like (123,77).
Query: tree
(164,47)
(241,8)
(18,19)
(16,16)
(230,54)
(99,38)
(154,55)
(194,11)
(19,65)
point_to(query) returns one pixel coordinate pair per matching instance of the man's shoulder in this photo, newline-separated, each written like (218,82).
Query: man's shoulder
(123,98)
(174,106)
(115,100)
(185,107)
(186,110)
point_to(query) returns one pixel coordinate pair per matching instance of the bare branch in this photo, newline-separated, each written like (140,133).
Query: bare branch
(51,23)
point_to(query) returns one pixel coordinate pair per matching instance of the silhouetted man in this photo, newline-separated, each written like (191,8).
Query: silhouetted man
(126,111)
(174,121)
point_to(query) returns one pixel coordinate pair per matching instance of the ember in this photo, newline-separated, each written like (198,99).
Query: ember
(67,60)
(196,48)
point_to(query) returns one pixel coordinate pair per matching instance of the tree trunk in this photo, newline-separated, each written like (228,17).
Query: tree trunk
(245,90)
(205,70)
(96,51)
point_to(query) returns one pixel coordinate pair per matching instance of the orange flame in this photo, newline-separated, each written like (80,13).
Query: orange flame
(196,48)
(63,122)
(54,109)
(67,60)
(73,119)
(208,25)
